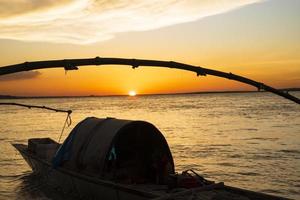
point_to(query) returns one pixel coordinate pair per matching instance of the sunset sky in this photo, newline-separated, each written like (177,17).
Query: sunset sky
(252,38)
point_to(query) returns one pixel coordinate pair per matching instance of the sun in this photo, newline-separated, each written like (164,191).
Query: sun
(132,93)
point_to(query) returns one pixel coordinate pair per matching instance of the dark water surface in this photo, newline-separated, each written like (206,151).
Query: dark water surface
(248,140)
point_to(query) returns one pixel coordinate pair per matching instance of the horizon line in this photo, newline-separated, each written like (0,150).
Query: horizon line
(149,94)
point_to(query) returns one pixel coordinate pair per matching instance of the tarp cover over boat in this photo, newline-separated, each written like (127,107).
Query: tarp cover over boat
(112,148)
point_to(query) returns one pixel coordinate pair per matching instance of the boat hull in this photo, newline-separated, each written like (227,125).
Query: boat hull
(85,187)
(78,185)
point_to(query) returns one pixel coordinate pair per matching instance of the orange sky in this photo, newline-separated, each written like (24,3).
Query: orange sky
(259,40)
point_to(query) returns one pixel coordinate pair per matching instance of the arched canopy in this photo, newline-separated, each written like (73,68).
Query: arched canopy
(90,145)
(73,64)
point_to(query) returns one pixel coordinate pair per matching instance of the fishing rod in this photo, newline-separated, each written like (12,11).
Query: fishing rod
(73,64)
(68,120)
(34,106)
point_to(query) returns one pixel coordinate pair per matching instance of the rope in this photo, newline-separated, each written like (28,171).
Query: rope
(68,122)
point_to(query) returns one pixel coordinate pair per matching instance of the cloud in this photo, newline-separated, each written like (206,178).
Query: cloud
(20,76)
(89,21)
(10,8)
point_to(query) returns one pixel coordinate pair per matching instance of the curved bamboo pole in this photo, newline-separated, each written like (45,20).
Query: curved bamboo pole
(73,64)
(34,106)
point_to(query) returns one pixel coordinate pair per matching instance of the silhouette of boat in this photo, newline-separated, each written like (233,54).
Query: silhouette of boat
(122,159)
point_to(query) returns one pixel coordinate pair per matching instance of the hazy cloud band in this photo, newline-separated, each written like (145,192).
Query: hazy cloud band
(89,21)
(20,76)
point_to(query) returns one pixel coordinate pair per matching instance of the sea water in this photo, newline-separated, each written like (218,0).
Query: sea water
(247,140)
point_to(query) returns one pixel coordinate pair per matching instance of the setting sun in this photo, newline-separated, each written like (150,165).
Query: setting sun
(132,93)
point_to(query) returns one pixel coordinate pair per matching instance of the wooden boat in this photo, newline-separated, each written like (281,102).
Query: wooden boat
(120,160)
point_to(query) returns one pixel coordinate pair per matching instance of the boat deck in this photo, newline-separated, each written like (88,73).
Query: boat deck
(217,191)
